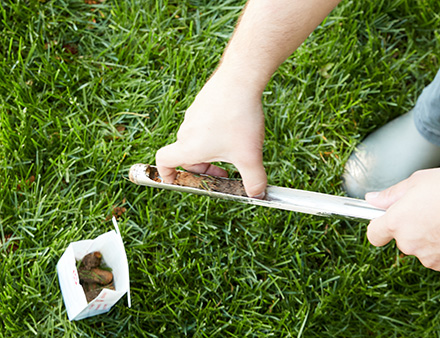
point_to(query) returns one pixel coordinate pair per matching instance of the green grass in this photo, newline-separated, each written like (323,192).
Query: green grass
(85,94)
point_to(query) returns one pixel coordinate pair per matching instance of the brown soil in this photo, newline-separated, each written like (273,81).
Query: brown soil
(11,246)
(210,183)
(93,277)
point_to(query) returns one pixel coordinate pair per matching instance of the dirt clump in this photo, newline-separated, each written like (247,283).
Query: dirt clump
(93,276)
(206,182)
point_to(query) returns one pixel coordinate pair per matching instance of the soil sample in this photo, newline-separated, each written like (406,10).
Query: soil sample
(209,183)
(93,276)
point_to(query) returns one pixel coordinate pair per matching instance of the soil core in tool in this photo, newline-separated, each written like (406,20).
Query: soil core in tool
(209,183)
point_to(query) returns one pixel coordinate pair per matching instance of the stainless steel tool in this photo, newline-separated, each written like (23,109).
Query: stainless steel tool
(276,197)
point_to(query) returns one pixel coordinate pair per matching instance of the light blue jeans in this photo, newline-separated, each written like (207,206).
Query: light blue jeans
(427,112)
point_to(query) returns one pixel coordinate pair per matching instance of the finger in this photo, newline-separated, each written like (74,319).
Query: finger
(254,177)
(172,156)
(388,197)
(431,262)
(206,168)
(167,159)
(378,233)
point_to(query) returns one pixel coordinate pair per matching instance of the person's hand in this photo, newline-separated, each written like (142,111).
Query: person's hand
(224,124)
(412,217)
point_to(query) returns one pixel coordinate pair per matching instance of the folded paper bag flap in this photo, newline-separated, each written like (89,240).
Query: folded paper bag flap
(72,291)
(125,276)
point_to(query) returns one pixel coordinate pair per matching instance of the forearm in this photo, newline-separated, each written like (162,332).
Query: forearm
(268,32)
(225,123)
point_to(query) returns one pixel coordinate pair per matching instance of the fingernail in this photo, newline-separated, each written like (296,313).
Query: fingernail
(372,195)
(260,196)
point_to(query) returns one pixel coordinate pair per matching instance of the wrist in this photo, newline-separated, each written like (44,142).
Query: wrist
(240,75)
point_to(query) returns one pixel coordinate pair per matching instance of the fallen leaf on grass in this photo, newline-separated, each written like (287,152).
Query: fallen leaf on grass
(27,183)
(117,212)
(120,129)
(71,48)
(94,2)
(11,245)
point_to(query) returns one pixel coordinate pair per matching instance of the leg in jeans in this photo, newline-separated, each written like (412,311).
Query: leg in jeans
(427,112)
(393,152)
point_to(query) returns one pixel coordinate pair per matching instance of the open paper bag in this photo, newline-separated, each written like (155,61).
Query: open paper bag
(113,255)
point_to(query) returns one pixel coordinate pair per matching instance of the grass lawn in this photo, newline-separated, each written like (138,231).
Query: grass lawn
(87,90)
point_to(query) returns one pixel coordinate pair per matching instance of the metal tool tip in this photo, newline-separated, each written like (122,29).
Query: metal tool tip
(136,171)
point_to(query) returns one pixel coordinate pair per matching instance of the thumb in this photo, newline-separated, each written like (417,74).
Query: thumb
(254,178)
(167,159)
(385,198)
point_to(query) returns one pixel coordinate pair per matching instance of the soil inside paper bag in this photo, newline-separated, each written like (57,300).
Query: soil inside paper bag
(93,276)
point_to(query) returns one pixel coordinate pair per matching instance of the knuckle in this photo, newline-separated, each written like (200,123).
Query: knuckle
(392,228)
(160,155)
(394,221)
(418,175)
(430,263)
(407,247)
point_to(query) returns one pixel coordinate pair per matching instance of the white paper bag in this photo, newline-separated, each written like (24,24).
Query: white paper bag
(113,255)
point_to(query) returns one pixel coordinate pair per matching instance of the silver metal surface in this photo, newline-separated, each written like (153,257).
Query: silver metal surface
(278,197)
